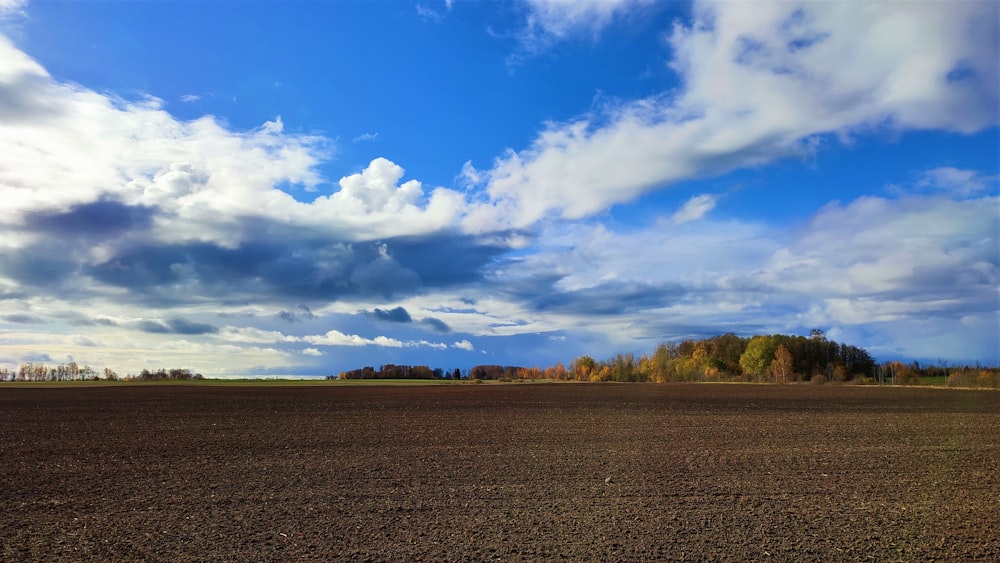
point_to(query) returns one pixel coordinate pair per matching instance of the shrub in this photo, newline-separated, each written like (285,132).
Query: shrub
(987,379)
(818,379)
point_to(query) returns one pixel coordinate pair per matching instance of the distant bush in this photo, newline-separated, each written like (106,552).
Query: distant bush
(974,377)
(818,379)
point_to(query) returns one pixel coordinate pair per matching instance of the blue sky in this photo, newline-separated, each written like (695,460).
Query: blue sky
(308,187)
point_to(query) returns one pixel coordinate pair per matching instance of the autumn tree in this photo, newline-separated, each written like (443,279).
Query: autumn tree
(556,372)
(781,366)
(583,368)
(659,367)
(902,374)
(758,356)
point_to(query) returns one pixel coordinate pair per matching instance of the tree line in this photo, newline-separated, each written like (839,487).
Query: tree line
(36,371)
(727,357)
(775,358)
(393,371)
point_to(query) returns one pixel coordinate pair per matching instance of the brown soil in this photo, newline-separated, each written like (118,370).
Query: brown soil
(510,472)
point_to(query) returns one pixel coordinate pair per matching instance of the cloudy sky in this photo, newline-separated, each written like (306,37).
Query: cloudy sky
(308,187)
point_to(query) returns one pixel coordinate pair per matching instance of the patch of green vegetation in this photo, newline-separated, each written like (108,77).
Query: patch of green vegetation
(938,380)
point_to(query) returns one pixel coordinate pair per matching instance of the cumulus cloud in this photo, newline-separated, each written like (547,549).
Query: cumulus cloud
(760,81)
(464,345)
(104,194)
(336,338)
(172,209)
(374,204)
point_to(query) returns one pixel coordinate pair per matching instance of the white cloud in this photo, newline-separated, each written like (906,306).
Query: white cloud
(464,345)
(956,181)
(190,98)
(253,335)
(312,352)
(337,338)
(81,340)
(694,209)
(873,268)
(12,8)
(875,246)
(427,344)
(429,13)
(62,145)
(548,21)
(129,352)
(760,81)
(376,189)
(469,177)
(372,204)
(365,137)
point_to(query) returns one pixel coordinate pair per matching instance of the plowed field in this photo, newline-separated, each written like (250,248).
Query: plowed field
(583,472)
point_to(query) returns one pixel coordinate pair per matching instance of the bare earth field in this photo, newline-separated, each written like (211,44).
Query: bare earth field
(509,472)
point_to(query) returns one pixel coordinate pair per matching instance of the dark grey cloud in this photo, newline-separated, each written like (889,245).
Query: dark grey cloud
(612,298)
(21,318)
(12,294)
(155,327)
(281,269)
(276,263)
(176,325)
(401,315)
(448,259)
(54,262)
(98,219)
(307,269)
(184,326)
(436,324)
(673,330)
(84,341)
(541,293)
(43,267)
(36,357)
(99,321)
(300,313)
(23,100)
(397,315)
